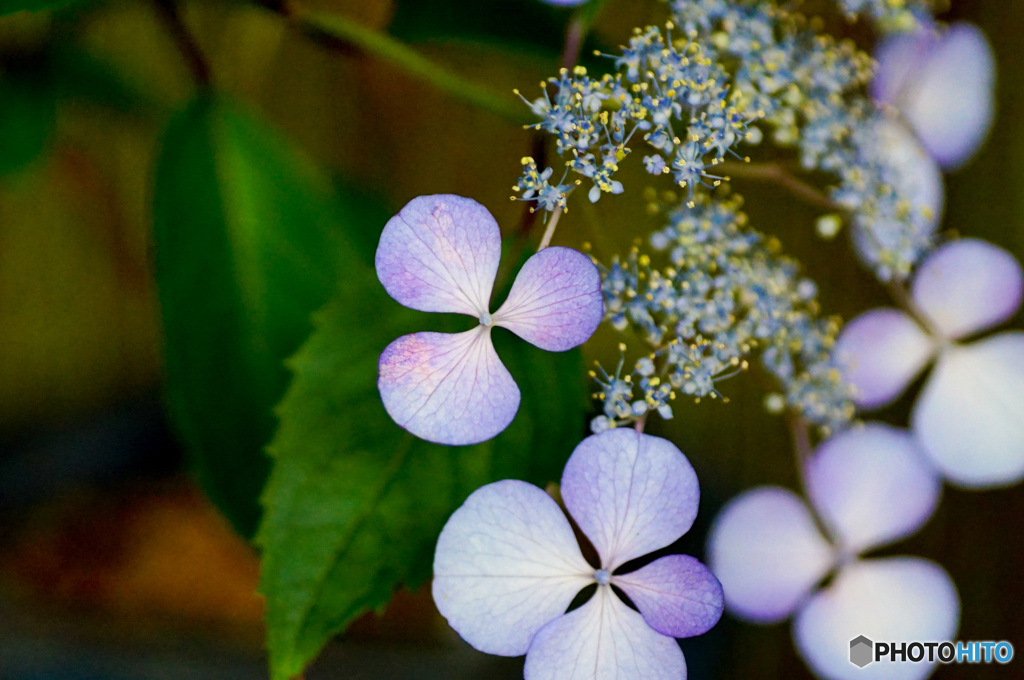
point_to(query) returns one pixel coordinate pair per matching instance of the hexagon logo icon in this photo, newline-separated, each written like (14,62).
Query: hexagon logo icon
(861,651)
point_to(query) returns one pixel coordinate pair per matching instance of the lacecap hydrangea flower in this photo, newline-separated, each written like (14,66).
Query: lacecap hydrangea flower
(881,242)
(969,417)
(508,566)
(891,15)
(440,254)
(869,487)
(943,84)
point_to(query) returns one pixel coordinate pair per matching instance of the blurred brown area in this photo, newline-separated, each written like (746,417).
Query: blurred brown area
(146,553)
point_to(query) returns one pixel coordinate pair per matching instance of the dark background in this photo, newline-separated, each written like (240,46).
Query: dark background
(112,562)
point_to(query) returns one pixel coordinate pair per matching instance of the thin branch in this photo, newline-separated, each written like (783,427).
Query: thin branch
(341,34)
(800,429)
(801,433)
(639,424)
(577,30)
(903,299)
(193,56)
(575,34)
(550,231)
(777,173)
(539,153)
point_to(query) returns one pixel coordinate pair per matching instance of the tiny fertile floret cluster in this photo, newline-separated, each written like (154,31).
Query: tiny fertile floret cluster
(720,74)
(891,15)
(725,292)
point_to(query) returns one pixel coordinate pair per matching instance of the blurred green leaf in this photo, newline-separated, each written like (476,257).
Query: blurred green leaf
(246,247)
(528,30)
(355,503)
(529,23)
(588,12)
(12,6)
(384,46)
(81,76)
(27,115)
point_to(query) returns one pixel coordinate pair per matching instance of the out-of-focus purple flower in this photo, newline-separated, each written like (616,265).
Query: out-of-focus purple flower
(943,82)
(969,418)
(507,566)
(902,234)
(440,254)
(868,487)
(564,3)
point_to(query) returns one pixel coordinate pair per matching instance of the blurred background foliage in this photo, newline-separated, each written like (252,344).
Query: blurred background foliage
(181,185)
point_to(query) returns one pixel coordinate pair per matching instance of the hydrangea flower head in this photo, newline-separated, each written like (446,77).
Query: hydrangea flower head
(507,566)
(968,418)
(944,85)
(869,487)
(887,240)
(440,254)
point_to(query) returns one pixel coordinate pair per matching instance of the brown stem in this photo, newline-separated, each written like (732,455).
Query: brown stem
(639,424)
(801,433)
(903,299)
(346,36)
(556,215)
(575,34)
(193,56)
(539,154)
(777,173)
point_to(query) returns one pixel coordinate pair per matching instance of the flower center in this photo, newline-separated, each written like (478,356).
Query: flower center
(602,576)
(485,319)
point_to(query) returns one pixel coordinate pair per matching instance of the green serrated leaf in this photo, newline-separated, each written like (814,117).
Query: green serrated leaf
(246,248)
(355,503)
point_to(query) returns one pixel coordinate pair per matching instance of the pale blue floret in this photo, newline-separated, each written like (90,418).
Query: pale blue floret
(702,327)
(892,15)
(693,112)
(654,164)
(726,293)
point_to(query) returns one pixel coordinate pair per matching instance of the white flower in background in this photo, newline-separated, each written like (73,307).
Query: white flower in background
(868,487)
(943,83)
(969,417)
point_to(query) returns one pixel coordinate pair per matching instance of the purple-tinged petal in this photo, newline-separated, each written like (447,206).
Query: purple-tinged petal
(603,640)
(630,493)
(881,352)
(897,599)
(440,254)
(507,563)
(967,286)
(447,388)
(677,595)
(555,302)
(872,486)
(766,550)
(950,100)
(564,3)
(900,56)
(969,418)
